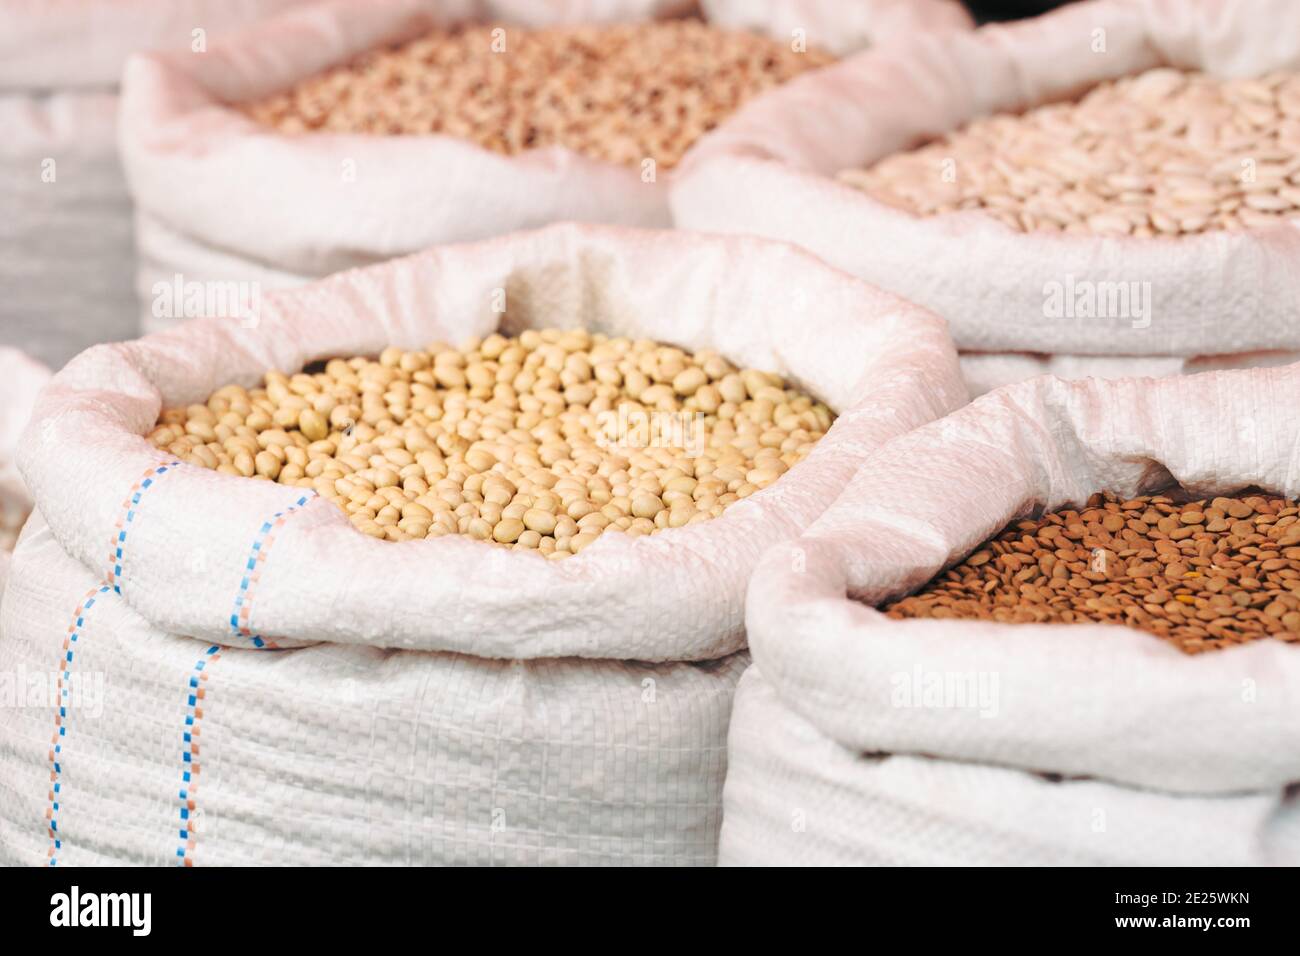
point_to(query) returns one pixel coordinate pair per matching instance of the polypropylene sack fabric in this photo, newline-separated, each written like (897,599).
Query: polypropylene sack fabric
(66,252)
(514,658)
(67,257)
(840,26)
(985,371)
(1102,702)
(306,206)
(342,754)
(795,797)
(769,171)
(178,277)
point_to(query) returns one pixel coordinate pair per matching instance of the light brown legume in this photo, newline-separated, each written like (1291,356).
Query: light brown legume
(506,450)
(1162,153)
(620,93)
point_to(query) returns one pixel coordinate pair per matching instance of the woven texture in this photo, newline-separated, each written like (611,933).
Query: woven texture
(1117,706)
(344,754)
(247,201)
(768,171)
(484,679)
(67,256)
(222,198)
(795,797)
(985,371)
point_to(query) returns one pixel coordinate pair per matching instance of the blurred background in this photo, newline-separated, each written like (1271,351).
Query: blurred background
(985,11)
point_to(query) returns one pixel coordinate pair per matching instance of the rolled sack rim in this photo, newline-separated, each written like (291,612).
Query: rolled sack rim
(1112,692)
(608,601)
(1019,276)
(199,165)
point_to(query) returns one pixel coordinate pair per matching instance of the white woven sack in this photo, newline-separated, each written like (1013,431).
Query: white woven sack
(985,371)
(490,716)
(1147,724)
(67,259)
(769,171)
(796,797)
(840,26)
(300,207)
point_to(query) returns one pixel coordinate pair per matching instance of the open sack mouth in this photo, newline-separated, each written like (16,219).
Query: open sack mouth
(1104,519)
(443,689)
(1081,171)
(1149,138)
(380,129)
(577,441)
(986,543)
(1062,597)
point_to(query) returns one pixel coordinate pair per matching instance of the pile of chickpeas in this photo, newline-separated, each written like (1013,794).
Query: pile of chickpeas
(542,441)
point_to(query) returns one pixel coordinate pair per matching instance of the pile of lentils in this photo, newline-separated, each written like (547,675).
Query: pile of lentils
(541,442)
(1163,153)
(620,93)
(1201,574)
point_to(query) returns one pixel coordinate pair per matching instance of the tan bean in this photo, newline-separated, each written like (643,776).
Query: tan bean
(267,465)
(508,530)
(407,454)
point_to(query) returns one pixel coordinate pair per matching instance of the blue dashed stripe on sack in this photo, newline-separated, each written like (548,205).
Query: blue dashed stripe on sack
(129,508)
(112,583)
(197,686)
(195,693)
(265,538)
(75,630)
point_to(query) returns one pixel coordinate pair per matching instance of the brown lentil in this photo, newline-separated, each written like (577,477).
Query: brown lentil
(542,442)
(1180,571)
(1163,153)
(621,93)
